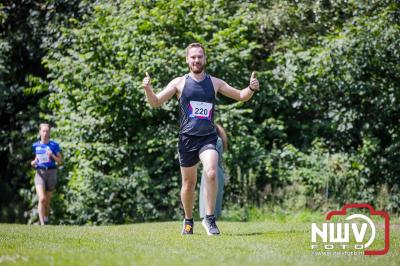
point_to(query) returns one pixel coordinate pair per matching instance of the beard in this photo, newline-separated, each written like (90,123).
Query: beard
(197,69)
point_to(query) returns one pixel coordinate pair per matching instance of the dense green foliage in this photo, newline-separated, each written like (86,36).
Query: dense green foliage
(27,29)
(323,130)
(344,89)
(121,155)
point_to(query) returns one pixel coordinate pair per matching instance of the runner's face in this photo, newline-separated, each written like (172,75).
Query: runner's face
(196,59)
(44,132)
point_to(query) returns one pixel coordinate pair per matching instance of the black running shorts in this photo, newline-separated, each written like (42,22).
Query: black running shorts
(190,147)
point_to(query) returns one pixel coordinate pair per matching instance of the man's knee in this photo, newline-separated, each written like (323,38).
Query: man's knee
(42,200)
(211,175)
(188,185)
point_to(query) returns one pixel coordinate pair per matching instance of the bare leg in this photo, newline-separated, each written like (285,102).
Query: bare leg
(48,198)
(209,158)
(189,178)
(41,193)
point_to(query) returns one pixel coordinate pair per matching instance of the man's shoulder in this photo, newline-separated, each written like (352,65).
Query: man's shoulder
(178,82)
(54,146)
(179,79)
(215,79)
(217,82)
(53,143)
(37,143)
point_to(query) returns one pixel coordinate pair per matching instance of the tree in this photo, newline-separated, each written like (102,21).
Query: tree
(28,29)
(121,161)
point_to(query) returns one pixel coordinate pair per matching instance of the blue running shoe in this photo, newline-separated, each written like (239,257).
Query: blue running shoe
(210,225)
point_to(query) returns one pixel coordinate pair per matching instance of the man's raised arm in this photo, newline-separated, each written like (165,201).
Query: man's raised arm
(239,95)
(156,100)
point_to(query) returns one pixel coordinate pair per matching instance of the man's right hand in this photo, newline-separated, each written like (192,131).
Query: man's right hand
(147,81)
(34,163)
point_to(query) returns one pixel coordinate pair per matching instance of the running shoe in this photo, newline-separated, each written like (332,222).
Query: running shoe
(210,225)
(187,227)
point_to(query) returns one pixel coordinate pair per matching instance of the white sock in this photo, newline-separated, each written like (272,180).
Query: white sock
(45,219)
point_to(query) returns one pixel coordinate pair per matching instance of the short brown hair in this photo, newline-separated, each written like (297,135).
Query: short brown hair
(44,124)
(195,45)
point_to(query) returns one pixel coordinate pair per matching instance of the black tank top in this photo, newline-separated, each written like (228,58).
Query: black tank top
(196,107)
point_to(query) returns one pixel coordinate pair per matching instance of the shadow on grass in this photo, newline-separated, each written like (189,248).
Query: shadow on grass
(246,234)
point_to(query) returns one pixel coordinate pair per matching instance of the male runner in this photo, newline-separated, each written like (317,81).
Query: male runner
(47,157)
(196,93)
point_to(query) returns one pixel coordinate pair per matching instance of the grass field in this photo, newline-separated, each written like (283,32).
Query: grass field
(251,243)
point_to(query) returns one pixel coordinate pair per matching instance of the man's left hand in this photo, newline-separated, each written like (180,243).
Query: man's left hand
(254,84)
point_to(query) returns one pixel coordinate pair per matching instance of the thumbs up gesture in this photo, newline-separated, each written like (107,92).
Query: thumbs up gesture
(254,84)
(147,81)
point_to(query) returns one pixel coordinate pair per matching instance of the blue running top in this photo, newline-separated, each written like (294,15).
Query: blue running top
(196,107)
(40,150)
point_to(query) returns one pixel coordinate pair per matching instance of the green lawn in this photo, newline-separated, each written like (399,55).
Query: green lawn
(252,243)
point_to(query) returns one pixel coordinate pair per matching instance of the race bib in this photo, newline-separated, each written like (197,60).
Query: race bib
(201,110)
(43,157)
(41,154)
